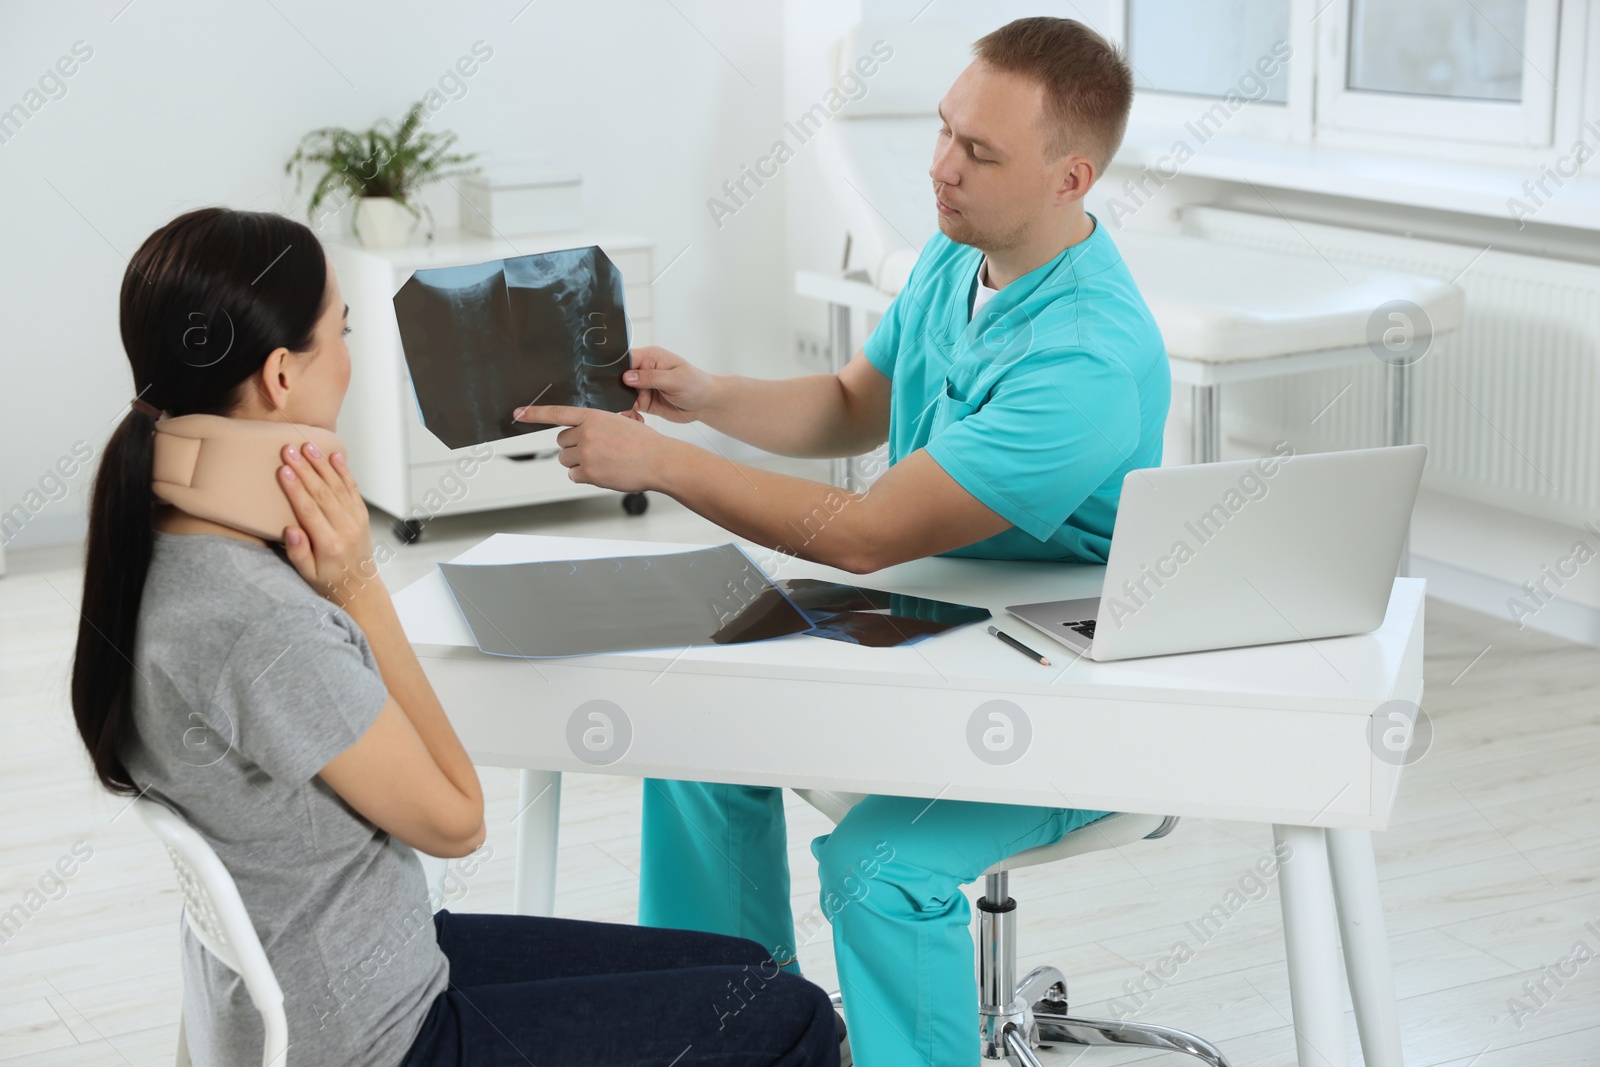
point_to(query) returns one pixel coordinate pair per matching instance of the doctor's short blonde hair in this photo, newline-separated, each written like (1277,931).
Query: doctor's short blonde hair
(1088,85)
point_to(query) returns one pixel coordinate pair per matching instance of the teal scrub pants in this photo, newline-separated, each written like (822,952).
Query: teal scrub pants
(714,858)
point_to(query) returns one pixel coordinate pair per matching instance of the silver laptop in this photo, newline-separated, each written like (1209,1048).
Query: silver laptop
(1249,552)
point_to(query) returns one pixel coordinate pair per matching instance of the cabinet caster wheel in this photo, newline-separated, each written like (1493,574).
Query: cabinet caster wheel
(635,503)
(408,530)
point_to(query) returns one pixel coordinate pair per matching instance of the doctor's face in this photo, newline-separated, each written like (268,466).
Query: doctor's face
(991,178)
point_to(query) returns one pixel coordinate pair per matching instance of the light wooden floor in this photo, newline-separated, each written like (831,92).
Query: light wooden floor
(1489,871)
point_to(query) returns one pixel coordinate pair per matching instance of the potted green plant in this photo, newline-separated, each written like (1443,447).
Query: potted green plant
(381,168)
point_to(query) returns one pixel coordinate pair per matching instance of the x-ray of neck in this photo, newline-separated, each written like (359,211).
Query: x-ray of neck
(484,339)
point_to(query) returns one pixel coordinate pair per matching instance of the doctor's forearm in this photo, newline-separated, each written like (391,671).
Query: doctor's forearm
(814,521)
(808,417)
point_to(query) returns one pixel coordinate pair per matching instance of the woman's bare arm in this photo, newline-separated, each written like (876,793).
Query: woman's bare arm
(408,773)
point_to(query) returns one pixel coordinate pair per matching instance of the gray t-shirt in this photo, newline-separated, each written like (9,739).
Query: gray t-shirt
(248,684)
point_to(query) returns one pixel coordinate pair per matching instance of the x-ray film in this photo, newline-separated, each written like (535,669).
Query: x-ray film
(874,617)
(711,596)
(484,339)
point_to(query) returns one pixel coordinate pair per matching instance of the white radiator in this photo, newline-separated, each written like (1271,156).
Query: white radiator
(1509,405)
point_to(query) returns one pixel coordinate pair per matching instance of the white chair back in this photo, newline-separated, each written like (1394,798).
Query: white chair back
(216,914)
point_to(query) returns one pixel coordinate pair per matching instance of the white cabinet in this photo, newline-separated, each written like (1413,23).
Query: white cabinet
(402,467)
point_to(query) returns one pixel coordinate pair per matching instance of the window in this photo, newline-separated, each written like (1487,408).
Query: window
(1434,48)
(1479,75)
(1207,47)
(1466,70)
(1207,64)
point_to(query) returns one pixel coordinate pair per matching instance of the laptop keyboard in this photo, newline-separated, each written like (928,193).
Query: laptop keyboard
(1085,627)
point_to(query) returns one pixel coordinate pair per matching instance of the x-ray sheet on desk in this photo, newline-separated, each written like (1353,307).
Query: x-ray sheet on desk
(485,339)
(710,596)
(874,617)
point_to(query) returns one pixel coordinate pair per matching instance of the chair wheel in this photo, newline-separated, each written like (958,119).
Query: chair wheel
(635,503)
(408,530)
(1053,1001)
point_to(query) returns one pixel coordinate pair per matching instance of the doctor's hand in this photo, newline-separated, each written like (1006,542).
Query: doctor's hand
(668,384)
(332,545)
(604,448)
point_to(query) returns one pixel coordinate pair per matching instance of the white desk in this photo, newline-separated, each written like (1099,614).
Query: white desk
(1275,734)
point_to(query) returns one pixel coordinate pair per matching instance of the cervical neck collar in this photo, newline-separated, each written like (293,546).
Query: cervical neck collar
(225,469)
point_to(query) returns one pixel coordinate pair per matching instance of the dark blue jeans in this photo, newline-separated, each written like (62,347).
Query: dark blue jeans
(556,992)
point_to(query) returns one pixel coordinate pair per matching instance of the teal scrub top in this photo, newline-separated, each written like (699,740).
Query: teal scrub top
(1037,407)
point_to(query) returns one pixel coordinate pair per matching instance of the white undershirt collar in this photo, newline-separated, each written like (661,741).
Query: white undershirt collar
(982,294)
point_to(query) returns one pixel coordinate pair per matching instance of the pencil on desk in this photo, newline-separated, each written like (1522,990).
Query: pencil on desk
(1019,646)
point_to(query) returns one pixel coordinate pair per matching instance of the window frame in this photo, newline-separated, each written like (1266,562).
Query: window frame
(1529,123)
(1320,111)
(1257,118)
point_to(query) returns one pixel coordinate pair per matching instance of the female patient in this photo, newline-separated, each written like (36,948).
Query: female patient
(276,705)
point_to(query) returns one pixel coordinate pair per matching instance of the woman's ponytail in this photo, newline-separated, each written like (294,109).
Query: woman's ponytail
(247,281)
(116,561)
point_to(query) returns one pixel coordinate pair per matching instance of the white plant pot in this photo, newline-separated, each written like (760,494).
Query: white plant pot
(380,222)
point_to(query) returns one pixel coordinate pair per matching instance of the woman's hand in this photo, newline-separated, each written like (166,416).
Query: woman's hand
(669,385)
(332,545)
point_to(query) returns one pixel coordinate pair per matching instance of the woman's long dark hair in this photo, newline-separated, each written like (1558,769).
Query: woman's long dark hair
(205,300)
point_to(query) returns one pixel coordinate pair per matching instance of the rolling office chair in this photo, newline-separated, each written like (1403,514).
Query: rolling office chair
(1016,1017)
(216,914)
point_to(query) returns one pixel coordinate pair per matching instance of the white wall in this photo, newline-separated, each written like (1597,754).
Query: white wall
(183,104)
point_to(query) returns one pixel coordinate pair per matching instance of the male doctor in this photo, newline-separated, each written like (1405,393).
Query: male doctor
(1017,378)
